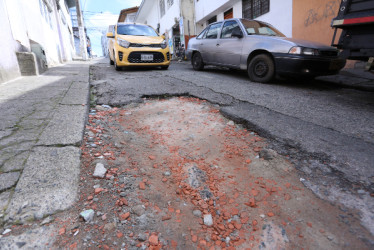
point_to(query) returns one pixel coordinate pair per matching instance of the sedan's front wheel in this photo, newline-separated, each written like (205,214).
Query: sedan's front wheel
(261,68)
(197,62)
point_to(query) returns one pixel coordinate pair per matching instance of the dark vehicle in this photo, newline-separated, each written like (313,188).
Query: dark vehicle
(261,50)
(356,19)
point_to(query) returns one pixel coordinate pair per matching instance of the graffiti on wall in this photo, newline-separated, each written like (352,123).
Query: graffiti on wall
(322,12)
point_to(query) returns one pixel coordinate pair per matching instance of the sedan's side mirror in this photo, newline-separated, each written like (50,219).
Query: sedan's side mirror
(237,33)
(110,35)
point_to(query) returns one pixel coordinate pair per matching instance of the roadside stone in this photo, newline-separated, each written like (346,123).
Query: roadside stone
(8,180)
(153,240)
(142,237)
(124,216)
(100,170)
(197,213)
(141,185)
(208,220)
(231,123)
(267,154)
(138,210)
(110,226)
(87,215)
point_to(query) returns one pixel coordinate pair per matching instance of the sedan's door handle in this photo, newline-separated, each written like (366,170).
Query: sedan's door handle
(217,44)
(201,44)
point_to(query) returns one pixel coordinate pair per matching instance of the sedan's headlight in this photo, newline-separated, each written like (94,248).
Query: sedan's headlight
(123,43)
(303,51)
(164,44)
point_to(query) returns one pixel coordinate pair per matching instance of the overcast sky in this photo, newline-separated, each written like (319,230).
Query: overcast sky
(99,14)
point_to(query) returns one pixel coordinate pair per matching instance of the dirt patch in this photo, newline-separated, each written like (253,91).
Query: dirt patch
(180,176)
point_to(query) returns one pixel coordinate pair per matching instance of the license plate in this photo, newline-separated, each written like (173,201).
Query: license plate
(146,57)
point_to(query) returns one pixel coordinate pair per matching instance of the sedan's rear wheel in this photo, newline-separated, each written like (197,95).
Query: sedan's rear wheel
(197,62)
(261,68)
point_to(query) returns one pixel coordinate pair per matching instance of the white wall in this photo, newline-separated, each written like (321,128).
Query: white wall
(168,20)
(216,8)
(206,8)
(9,68)
(280,16)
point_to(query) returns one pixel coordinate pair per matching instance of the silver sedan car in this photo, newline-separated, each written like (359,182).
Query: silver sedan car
(262,50)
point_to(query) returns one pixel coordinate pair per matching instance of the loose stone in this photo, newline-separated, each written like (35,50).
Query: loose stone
(87,215)
(208,220)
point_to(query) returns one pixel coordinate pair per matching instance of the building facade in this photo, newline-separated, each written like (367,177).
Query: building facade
(173,18)
(128,15)
(38,31)
(277,13)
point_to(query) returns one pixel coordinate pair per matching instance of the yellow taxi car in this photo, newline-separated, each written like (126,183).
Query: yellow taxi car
(133,44)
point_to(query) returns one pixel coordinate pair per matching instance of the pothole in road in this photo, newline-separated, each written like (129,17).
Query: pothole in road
(181,176)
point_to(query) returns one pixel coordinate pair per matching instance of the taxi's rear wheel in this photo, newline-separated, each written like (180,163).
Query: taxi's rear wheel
(164,67)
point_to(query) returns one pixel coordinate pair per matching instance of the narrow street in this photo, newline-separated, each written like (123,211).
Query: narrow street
(180,159)
(140,124)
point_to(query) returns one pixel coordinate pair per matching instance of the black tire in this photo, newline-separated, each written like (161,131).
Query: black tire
(197,62)
(261,68)
(115,62)
(110,60)
(164,67)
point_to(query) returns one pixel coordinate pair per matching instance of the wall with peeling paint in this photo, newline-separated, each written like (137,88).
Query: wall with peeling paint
(312,19)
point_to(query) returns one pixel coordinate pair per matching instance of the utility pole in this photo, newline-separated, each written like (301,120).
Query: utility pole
(82,33)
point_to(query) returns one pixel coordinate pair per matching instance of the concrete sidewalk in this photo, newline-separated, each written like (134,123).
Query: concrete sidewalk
(354,78)
(41,128)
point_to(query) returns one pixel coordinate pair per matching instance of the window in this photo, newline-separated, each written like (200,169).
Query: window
(135,30)
(228,28)
(228,14)
(46,10)
(255,8)
(253,27)
(170,3)
(202,34)
(162,7)
(213,31)
(212,20)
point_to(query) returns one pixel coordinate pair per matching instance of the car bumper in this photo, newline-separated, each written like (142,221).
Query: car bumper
(132,56)
(300,65)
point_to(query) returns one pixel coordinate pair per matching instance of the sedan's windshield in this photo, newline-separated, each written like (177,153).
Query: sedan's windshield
(259,28)
(135,30)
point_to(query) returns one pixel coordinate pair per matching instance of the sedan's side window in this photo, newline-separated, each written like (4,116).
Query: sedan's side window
(228,28)
(213,31)
(202,34)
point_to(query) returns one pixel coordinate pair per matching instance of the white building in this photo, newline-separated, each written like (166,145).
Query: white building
(39,26)
(276,12)
(173,18)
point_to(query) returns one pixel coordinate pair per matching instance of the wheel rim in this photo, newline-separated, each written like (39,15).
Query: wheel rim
(261,69)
